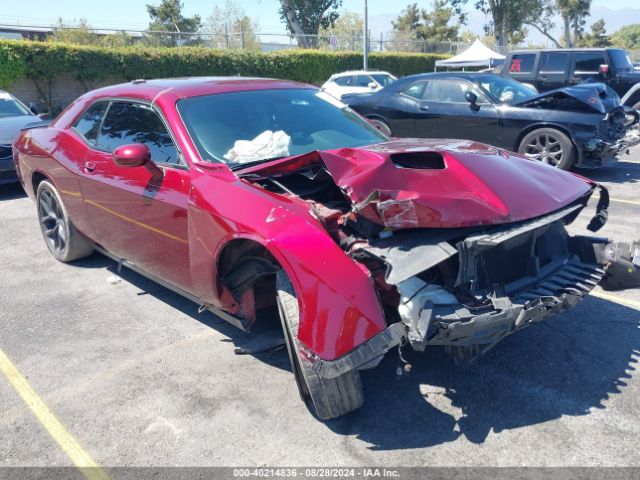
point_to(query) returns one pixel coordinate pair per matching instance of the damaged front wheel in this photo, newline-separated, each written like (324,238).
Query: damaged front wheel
(330,398)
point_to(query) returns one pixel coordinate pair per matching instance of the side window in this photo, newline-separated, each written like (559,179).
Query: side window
(89,122)
(344,81)
(416,90)
(128,123)
(446,91)
(554,62)
(522,63)
(363,80)
(589,62)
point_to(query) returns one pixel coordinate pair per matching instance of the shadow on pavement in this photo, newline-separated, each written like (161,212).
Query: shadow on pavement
(236,337)
(11,192)
(566,365)
(622,172)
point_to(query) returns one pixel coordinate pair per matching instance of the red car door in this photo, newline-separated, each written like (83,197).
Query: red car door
(135,215)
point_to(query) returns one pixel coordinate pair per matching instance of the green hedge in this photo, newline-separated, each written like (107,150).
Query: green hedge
(43,61)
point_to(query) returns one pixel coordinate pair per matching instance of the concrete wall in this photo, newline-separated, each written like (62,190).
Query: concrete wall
(65,90)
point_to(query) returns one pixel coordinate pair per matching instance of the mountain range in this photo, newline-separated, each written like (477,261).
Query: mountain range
(614,20)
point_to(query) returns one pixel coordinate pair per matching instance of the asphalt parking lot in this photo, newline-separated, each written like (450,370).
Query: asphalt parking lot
(139,378)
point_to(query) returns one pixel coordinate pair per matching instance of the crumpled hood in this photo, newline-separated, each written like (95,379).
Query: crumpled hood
(596,96)
(411,183)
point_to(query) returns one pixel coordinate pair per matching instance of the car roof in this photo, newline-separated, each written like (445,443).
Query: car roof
(193,86)
(462,75)
(562,50)
(362,72)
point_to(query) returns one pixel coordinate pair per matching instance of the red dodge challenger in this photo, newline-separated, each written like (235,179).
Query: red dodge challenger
(248,195)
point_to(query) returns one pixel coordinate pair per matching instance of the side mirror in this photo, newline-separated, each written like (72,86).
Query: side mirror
(472,98)
(603,70)
(33,108)
(373,85)
(136,155)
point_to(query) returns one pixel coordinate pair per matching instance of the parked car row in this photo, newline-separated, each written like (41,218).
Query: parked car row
(583,125)
(256,196)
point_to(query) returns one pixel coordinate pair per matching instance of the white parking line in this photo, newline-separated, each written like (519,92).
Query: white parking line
(629,202)
(58,432)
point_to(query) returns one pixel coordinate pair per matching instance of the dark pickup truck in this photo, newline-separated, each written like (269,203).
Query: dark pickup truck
(551,69)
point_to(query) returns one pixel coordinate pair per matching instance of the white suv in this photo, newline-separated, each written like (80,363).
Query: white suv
(359,81)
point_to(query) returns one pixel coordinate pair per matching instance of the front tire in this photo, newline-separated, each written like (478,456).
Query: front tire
(550,146)
(64,242)
(330,398)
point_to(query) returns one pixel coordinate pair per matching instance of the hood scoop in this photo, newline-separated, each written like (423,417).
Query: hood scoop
(421,183)
(419,160)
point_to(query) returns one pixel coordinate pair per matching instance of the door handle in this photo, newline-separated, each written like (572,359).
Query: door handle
(89,167)
(423,107)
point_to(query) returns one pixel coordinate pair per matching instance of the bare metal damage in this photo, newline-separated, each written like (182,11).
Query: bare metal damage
(505,280)
(461,285)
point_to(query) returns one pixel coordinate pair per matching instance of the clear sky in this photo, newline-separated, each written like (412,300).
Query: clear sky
(132,13)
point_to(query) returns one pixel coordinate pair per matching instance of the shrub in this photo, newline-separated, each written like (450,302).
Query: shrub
(42,62)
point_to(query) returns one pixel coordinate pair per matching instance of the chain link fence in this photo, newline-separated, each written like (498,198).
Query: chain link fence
(224,38)
(233,38)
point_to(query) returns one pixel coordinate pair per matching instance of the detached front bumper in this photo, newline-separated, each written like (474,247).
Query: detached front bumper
(507,280)
(609,142)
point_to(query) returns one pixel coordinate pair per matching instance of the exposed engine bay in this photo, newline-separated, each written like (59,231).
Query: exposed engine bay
(461,285)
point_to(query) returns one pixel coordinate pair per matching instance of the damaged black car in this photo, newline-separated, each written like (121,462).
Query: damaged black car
(583,126)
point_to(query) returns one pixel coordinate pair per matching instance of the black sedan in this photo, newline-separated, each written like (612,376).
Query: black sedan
(582,125)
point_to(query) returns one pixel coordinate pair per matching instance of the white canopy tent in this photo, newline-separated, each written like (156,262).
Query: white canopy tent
(477,55)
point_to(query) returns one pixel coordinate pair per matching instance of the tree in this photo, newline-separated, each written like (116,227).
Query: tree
(346,29)
(627,37)
(507,16)
(408,20)
(78,32)
(419,25)
(598,37)
(81,32)
(305,18)
(436,26)
(573,13)
(167,17)
(230,27)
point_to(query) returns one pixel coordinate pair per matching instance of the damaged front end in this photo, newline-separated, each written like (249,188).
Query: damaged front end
(615,130)
(462,256)
(492,283)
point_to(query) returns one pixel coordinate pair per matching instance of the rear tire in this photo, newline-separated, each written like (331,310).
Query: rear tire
(550,146)
(330,398)
(381,125)
(63,240)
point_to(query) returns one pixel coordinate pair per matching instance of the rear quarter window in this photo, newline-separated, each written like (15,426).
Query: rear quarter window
(88,124)
(522,63)
(589,62)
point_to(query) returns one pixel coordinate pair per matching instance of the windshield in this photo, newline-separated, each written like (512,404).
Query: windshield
(10,107)
(506,90)
(382,79)
(244,127)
